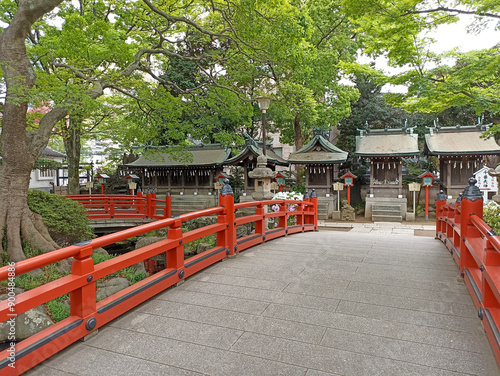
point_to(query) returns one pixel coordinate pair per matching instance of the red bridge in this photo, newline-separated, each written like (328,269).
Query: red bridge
(312,315)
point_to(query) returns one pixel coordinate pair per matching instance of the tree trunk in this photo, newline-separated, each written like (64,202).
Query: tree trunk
(72,144)
(21,148)
(299,143)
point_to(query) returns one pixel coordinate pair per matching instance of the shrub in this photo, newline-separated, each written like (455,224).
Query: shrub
(64,218)
(491,215)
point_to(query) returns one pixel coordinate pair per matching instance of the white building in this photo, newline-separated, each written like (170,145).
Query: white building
(46,179)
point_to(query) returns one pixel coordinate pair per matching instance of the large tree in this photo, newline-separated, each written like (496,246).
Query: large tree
(125,48)
(435,82)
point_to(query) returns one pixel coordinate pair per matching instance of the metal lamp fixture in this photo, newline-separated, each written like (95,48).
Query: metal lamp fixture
(264,103)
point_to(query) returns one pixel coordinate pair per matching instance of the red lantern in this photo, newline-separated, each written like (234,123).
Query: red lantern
(427,178)
(101,179)
(348,182)
(280,180)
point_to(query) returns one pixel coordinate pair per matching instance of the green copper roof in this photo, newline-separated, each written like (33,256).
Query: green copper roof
(318,150)
(202,155)
(254,149)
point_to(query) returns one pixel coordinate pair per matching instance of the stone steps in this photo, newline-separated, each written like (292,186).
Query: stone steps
(386,213)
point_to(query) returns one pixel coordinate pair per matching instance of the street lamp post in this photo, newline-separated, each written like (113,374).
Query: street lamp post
(264,103)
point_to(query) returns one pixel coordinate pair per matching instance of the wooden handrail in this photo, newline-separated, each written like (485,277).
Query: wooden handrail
(476,250)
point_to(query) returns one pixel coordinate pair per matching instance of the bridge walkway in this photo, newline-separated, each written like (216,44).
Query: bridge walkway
(361,302)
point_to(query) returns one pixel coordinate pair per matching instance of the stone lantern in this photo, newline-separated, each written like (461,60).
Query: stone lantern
(263,176)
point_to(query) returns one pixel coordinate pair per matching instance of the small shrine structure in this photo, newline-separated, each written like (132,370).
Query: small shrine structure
(461,151)
(194,174)
(385,149)
(247,158)
(321,160)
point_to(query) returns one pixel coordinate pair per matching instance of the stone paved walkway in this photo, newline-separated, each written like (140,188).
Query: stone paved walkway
(369,301)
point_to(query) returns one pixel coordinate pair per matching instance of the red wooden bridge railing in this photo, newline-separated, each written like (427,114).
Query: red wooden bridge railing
(476,250)
(87,314)
(125,206)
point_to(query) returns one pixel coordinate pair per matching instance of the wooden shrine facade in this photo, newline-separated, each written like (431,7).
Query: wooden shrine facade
(385,149)
(197,173)
(321,160)
(461,152)
(247,159)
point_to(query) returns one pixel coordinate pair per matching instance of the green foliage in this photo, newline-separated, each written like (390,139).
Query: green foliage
(491,215)
(64,218)
(59,308)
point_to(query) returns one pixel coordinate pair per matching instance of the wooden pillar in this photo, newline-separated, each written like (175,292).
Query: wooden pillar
(400,177)
(372,177)
(448,177)
(328,179)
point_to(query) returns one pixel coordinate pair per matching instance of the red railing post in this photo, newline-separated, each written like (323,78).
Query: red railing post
(260,224)
(440,202)
(314,200)
(307,209)
(471,204)
(300,214)
(175,256)
(152,200)
(283,221)
(83,300)
(138,202)
(227,238)
(148,205)
(111,202)
(168,205)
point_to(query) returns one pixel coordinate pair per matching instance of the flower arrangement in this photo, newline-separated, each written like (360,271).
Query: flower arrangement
(292,219)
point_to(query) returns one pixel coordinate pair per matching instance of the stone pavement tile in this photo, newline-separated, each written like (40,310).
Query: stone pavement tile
(408,273)
(240,281)
(370,297)
(328,359)
(313,372)
(206,360)
(286,257)
(228,290)
(434,320)
(85,360)
(412,352)
(286,249)
(188,331)
(476,340)
(433,262)
(42,370)
(334,258)
(238,321)
(214,301)
(452,285)
(323,288)
(249,270)
(310,274)
(457,297)
(293,299)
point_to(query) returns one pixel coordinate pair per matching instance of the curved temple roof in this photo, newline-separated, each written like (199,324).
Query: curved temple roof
(318,150)
(252,148)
